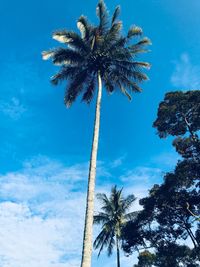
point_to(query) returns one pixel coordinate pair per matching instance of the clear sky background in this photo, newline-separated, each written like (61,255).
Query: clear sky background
(45,148)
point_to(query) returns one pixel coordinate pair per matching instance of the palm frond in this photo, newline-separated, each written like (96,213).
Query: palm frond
(89,91)
(47,54)
(113,33)
(65,56)
(124,91)
(65,73)
(128,201)
(125,74)
(101,218)
(75,87)
(134,50)
(108,83)
(115,15)
(142,64)
(101,240)
(105,238)
(128,84)
(134,31)
(143,42)
(111,244)
(132,215)
(120,53)
(71,38)
(102,13)
(84,27)
(102,198)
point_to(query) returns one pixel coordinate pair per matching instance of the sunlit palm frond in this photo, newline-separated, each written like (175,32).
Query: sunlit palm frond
(71,38)
(84,27)
(134,31)
(47,54)
(143,42)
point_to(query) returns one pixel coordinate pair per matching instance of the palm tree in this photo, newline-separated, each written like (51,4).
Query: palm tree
(99,55)
(113,218)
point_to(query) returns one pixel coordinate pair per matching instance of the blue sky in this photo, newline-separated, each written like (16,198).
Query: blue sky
(45,148)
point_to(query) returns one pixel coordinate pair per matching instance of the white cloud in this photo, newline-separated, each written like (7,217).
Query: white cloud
(42,214)
(42,210)
(117,162)
(29,239)
(13,108)
(186,75)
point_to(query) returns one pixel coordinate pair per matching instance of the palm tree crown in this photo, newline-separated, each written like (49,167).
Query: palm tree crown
(100,50)
(113,217)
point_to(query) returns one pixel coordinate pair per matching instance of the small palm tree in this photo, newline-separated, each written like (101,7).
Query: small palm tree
(113,218)
(99,55)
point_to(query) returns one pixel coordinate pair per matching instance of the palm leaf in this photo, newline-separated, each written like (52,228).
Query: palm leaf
(115,15)
(102,13)
(71,38)
(128,201)
(65,73)
(132,215)
(75,87)
(113,33)
(89,91)
(134,31)
(101,218)
(144,41)
(66,56)
(84,27)
(124,91)
(47,54)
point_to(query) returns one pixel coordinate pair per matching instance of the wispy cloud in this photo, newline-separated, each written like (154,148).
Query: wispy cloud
(12,108)
(186,75)
(141,174)
(117,162)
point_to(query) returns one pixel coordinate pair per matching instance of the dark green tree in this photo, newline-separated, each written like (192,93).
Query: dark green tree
(99,56)
(146,259)
(171,210)
(179,114)
(113,217)
(168,255)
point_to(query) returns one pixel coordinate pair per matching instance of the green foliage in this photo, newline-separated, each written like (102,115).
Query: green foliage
(100,48)
(167,256)
(178,114)
(145,259)
(171,211)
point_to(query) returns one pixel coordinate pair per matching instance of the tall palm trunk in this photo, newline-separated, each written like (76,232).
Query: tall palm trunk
(118,255)
(87,238)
